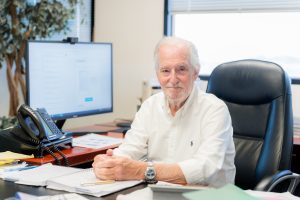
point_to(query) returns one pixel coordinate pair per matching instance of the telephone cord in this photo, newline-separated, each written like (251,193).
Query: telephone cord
(62,155)
(51,153)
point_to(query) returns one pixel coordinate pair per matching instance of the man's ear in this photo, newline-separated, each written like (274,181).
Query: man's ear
(196,73)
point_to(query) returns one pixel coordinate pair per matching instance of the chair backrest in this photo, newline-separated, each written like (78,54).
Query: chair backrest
(258,96)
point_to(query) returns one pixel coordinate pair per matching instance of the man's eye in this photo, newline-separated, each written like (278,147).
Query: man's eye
(165,70)
(182,70)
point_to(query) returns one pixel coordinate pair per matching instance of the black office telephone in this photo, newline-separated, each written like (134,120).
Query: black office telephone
(38,124)
(35,133)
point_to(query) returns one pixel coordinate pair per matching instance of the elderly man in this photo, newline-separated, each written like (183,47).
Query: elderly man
(184,133)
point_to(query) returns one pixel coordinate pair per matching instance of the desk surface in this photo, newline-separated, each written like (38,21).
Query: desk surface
(8,189)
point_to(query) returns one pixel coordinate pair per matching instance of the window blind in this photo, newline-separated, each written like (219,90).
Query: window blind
(187,6)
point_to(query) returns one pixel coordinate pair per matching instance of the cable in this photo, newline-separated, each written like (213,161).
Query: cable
(62,155)
(51,153)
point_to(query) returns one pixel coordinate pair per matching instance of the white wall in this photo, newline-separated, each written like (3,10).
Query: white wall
(134,27)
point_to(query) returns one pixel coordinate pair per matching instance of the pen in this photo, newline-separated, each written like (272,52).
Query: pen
(27,167)
(99,182)
(19,168)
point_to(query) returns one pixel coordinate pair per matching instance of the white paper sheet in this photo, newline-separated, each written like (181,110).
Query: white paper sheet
(95,141)
(39,175)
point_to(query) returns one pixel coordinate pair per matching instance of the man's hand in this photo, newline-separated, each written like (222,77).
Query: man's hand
(110,167)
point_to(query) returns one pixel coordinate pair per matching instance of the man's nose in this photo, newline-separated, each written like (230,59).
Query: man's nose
(173,77)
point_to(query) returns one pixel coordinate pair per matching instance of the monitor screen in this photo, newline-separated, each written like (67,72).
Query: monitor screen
(69,80)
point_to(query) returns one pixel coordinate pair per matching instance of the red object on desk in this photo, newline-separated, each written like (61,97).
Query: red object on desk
(75,155)
(79,155)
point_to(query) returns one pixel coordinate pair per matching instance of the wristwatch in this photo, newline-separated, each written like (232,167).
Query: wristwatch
(150,173)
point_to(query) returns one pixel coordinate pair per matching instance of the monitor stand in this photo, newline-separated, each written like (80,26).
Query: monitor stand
(60,123)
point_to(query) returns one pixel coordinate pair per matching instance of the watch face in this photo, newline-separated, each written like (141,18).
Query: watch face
(150,174)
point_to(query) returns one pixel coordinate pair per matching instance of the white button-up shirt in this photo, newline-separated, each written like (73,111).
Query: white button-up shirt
(198,138)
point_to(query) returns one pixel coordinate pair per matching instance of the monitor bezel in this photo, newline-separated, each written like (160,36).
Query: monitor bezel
(65,116)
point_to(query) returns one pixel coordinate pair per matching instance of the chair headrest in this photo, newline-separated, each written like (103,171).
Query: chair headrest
(248,82)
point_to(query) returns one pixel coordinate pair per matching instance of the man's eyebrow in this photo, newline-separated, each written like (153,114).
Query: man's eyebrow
(164,67)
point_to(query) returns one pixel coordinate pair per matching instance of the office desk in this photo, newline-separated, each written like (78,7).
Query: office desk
(8,189)
(78,155)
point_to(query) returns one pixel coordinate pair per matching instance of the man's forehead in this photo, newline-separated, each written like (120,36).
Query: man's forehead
(174,47)
(173,53)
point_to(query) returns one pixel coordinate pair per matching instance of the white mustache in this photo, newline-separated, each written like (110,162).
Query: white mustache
(173,86)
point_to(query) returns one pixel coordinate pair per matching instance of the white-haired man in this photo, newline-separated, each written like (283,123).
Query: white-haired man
(185,134)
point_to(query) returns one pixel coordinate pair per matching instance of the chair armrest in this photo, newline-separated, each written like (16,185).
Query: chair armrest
(269,183)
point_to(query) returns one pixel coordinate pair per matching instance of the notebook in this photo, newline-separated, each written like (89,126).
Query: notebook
(39,175)
(76,182)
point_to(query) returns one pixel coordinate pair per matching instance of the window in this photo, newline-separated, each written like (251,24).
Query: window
(227,30)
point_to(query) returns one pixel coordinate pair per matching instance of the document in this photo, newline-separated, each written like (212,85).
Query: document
(85,182)
(13,156)
(162,186)
(69,196)
(95,141)
(39,175)
(228,192)
(9,157)
(272,195)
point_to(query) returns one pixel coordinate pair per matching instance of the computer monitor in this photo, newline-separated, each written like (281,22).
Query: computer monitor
(69,79)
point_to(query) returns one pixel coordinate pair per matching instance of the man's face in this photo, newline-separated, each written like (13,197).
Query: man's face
(175,74)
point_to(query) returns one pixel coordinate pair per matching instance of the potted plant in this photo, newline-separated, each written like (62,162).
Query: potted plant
(21,20)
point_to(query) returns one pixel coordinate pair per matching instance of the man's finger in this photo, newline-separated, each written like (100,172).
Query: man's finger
(109,152)
(105,173)
(108,163)
(100,157)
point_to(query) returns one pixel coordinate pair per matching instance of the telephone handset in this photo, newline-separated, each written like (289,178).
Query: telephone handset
(38,124)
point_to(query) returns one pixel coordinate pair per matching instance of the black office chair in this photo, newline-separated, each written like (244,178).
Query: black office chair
(258,96)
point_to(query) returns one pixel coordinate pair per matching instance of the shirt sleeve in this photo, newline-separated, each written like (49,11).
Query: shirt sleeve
(208,164)
(135,143)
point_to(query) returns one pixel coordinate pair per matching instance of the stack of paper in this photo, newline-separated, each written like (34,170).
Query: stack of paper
(95,141)
(85,182)
(39,175)
(9,157)
(68,179)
